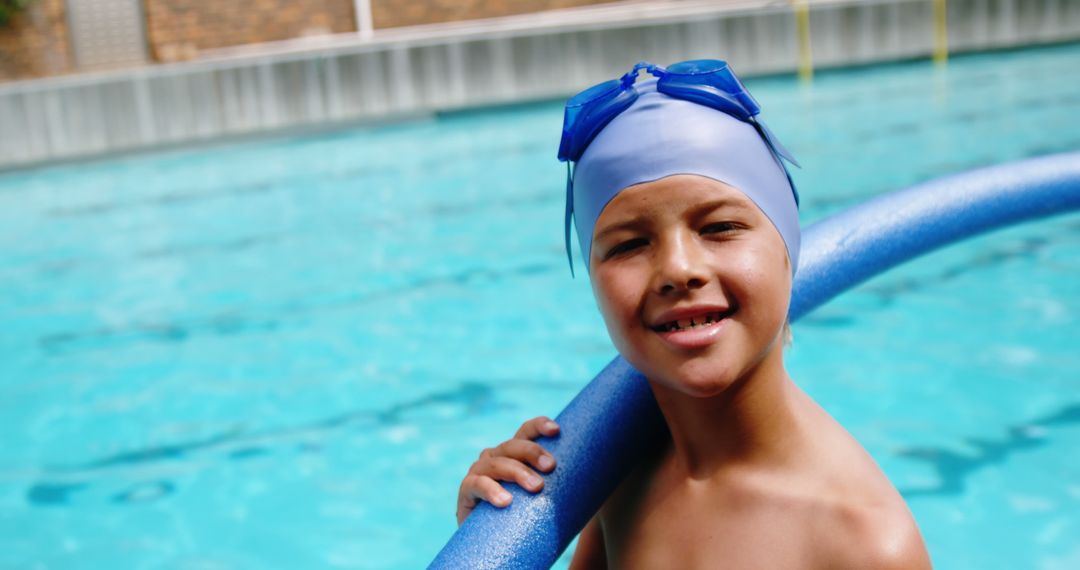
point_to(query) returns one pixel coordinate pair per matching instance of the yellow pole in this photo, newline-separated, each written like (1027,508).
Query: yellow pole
(941,33)
(802,25)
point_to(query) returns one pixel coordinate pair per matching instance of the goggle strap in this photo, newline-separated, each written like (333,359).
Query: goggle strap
(774,143)
(779,151)
(794,191)
(569,214)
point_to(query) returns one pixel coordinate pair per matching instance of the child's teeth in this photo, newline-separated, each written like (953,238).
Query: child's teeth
(695,322)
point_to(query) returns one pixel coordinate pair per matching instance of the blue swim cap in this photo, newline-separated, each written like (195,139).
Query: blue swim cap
(660,136)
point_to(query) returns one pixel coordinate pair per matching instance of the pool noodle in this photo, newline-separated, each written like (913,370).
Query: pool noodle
(614,420)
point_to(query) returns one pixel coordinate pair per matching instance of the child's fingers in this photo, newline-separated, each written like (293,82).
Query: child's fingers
(500,465)
(509,461)
(481,484)
(488,489)
(537,427)
(526,451)
(506,469)
(480,488)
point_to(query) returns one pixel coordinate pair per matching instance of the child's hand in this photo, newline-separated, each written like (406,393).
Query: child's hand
(508,462)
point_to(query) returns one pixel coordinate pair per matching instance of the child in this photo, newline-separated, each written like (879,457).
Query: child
(688,224)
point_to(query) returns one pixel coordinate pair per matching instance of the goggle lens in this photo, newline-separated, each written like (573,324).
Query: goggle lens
(697,66)
(605,89)
(590,111)
(710,82)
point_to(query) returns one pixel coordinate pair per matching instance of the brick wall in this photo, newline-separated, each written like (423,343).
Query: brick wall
(35,42)
(179,29)
(394,13)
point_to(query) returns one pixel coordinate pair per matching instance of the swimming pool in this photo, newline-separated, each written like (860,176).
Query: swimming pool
(286,353)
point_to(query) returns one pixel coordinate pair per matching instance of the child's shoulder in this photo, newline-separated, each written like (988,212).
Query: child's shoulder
(864,520)
(869,532)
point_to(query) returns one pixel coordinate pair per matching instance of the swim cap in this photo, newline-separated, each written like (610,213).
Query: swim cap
(660,136)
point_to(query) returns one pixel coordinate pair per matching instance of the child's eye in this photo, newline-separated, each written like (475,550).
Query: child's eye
(626,246)
(718,227)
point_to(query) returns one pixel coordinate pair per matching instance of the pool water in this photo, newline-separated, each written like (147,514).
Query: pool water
(286,353)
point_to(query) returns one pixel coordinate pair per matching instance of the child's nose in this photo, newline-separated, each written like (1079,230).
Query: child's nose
(681,265)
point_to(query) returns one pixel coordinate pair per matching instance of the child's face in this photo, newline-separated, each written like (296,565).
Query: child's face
(690,248)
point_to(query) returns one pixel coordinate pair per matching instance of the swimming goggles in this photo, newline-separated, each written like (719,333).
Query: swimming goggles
(708,82)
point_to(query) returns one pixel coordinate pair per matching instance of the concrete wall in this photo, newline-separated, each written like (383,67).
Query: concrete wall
(431,69)
(35,42)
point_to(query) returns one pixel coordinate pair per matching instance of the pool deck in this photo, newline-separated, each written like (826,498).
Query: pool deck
(348,78)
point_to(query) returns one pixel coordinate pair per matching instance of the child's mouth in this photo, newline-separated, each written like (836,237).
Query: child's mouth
(695,332)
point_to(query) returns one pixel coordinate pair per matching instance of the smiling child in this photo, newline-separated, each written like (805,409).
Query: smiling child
(688,224)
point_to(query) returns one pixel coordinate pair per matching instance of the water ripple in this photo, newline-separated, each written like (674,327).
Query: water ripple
(233,322)
(468,399)
(953,469)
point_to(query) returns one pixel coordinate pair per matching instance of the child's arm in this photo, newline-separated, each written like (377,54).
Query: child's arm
(509,461)
(590,551)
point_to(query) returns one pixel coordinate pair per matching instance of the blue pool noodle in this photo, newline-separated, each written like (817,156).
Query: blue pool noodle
(614,420)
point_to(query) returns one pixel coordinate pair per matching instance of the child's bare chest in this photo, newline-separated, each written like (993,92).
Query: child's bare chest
(727,530)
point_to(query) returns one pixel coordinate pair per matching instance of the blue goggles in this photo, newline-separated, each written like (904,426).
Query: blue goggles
(708,82)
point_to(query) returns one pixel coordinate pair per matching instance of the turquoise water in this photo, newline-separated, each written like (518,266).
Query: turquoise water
(286,353)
